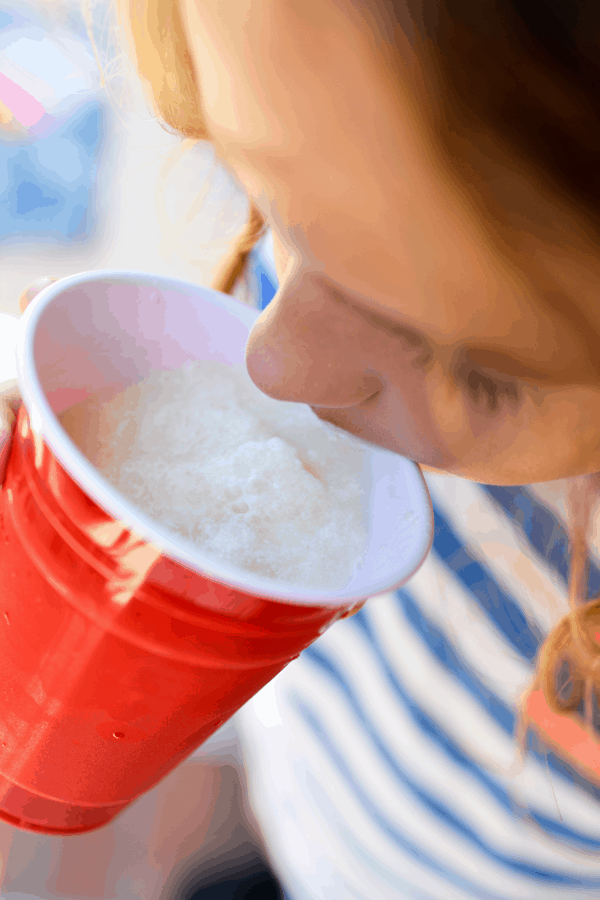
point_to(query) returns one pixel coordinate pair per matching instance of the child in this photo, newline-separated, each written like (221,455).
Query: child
(429,173)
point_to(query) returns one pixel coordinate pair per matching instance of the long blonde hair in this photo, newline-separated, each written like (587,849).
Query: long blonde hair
(568,664)
(152,36)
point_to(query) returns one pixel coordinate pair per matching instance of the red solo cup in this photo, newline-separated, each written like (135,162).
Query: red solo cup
(122,646)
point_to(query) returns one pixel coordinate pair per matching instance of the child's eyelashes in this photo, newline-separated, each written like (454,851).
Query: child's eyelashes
(492,391)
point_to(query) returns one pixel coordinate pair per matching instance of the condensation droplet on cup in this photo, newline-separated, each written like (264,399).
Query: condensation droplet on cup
(7,618)
(118,734)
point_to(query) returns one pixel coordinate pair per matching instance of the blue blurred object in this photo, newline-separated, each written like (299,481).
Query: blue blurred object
(262,274)
(47,168)
(47,188)
(13,14)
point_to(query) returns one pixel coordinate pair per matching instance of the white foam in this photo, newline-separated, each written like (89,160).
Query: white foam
(255,482)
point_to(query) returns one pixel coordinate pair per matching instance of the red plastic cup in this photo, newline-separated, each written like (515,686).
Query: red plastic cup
(122,647)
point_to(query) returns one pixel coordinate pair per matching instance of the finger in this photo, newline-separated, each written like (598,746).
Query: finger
(10,398)
(27,295)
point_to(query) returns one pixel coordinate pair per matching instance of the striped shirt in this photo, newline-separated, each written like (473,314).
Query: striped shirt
(382,763)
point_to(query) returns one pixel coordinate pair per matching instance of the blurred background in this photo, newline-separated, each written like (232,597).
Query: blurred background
(89,180)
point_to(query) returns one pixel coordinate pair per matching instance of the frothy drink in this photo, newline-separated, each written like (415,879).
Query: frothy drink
(255,482)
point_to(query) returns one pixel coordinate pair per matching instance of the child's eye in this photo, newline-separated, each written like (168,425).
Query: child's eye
(494,392)
(481,386)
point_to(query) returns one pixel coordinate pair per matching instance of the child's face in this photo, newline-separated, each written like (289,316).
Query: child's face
(402,301)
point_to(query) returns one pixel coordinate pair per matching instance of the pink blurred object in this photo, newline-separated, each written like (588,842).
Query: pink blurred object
(45,76)
(24,107)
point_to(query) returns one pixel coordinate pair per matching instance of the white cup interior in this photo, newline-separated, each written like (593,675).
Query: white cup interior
(102,330)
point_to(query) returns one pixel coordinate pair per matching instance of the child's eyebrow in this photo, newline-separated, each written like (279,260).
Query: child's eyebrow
(507,364)
(502,363)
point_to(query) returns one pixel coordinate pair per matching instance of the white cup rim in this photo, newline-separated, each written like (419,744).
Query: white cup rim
(44,422)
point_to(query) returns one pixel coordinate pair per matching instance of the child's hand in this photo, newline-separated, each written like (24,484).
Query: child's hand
(10,399)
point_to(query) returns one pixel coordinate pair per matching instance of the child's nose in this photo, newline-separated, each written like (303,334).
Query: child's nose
(310,359)
(306,348)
